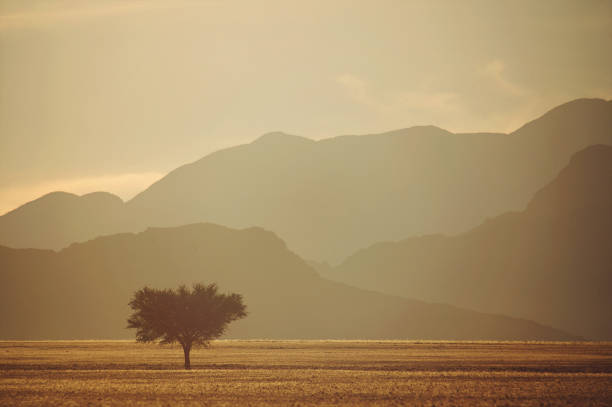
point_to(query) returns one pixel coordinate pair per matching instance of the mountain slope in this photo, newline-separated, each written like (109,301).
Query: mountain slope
(329,197)
(83,291)
(57,219)
(551,263)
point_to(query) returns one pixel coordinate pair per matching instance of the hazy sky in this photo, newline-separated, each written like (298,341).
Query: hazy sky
(110,95)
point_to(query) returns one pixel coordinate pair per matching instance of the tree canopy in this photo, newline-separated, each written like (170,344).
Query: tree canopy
(190,317)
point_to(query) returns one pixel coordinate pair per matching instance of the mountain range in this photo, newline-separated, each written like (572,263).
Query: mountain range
(436,202)
(82,291)
(330,197)
(550,263)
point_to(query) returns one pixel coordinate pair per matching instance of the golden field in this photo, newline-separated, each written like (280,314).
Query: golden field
(304,373)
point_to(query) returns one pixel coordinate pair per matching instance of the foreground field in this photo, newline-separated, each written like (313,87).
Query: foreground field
(303,373)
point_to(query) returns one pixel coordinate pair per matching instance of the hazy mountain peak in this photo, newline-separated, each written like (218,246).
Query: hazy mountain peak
(66,198)
(278,137)
(257,235)
(426,130)
(573,114)
(208,227)
(50,199)
(103,197)
(419,131)
(194,232)
(56,195)
(65,218)
(580,104)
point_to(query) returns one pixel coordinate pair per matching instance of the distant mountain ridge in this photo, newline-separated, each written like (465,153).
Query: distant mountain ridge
(584,184)
(82,291)
(57,219)
(329,197)
(551,263)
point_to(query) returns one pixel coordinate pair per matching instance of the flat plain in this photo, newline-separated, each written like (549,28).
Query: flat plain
(305,373)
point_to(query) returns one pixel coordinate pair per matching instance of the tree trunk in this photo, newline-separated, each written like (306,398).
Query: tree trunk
(186,350)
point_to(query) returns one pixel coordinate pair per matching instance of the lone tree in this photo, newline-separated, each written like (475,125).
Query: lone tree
(190,317)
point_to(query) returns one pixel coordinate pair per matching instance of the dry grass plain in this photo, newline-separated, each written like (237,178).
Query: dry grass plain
(304,373)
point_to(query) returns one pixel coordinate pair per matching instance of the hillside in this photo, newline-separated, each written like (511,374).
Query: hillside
(83,291)
(551,263)
(330,197)
(57,219)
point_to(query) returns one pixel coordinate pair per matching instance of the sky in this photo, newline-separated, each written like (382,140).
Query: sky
(111,95)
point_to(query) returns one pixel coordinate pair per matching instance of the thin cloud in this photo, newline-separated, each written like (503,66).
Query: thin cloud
(395,107)
(358,90)
(446,109)
(495,71)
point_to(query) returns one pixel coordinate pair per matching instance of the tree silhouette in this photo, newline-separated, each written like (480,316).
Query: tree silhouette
(190,317)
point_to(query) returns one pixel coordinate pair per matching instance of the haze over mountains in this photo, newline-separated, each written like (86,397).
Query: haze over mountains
(550,263)
(330,197)
(83,291)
